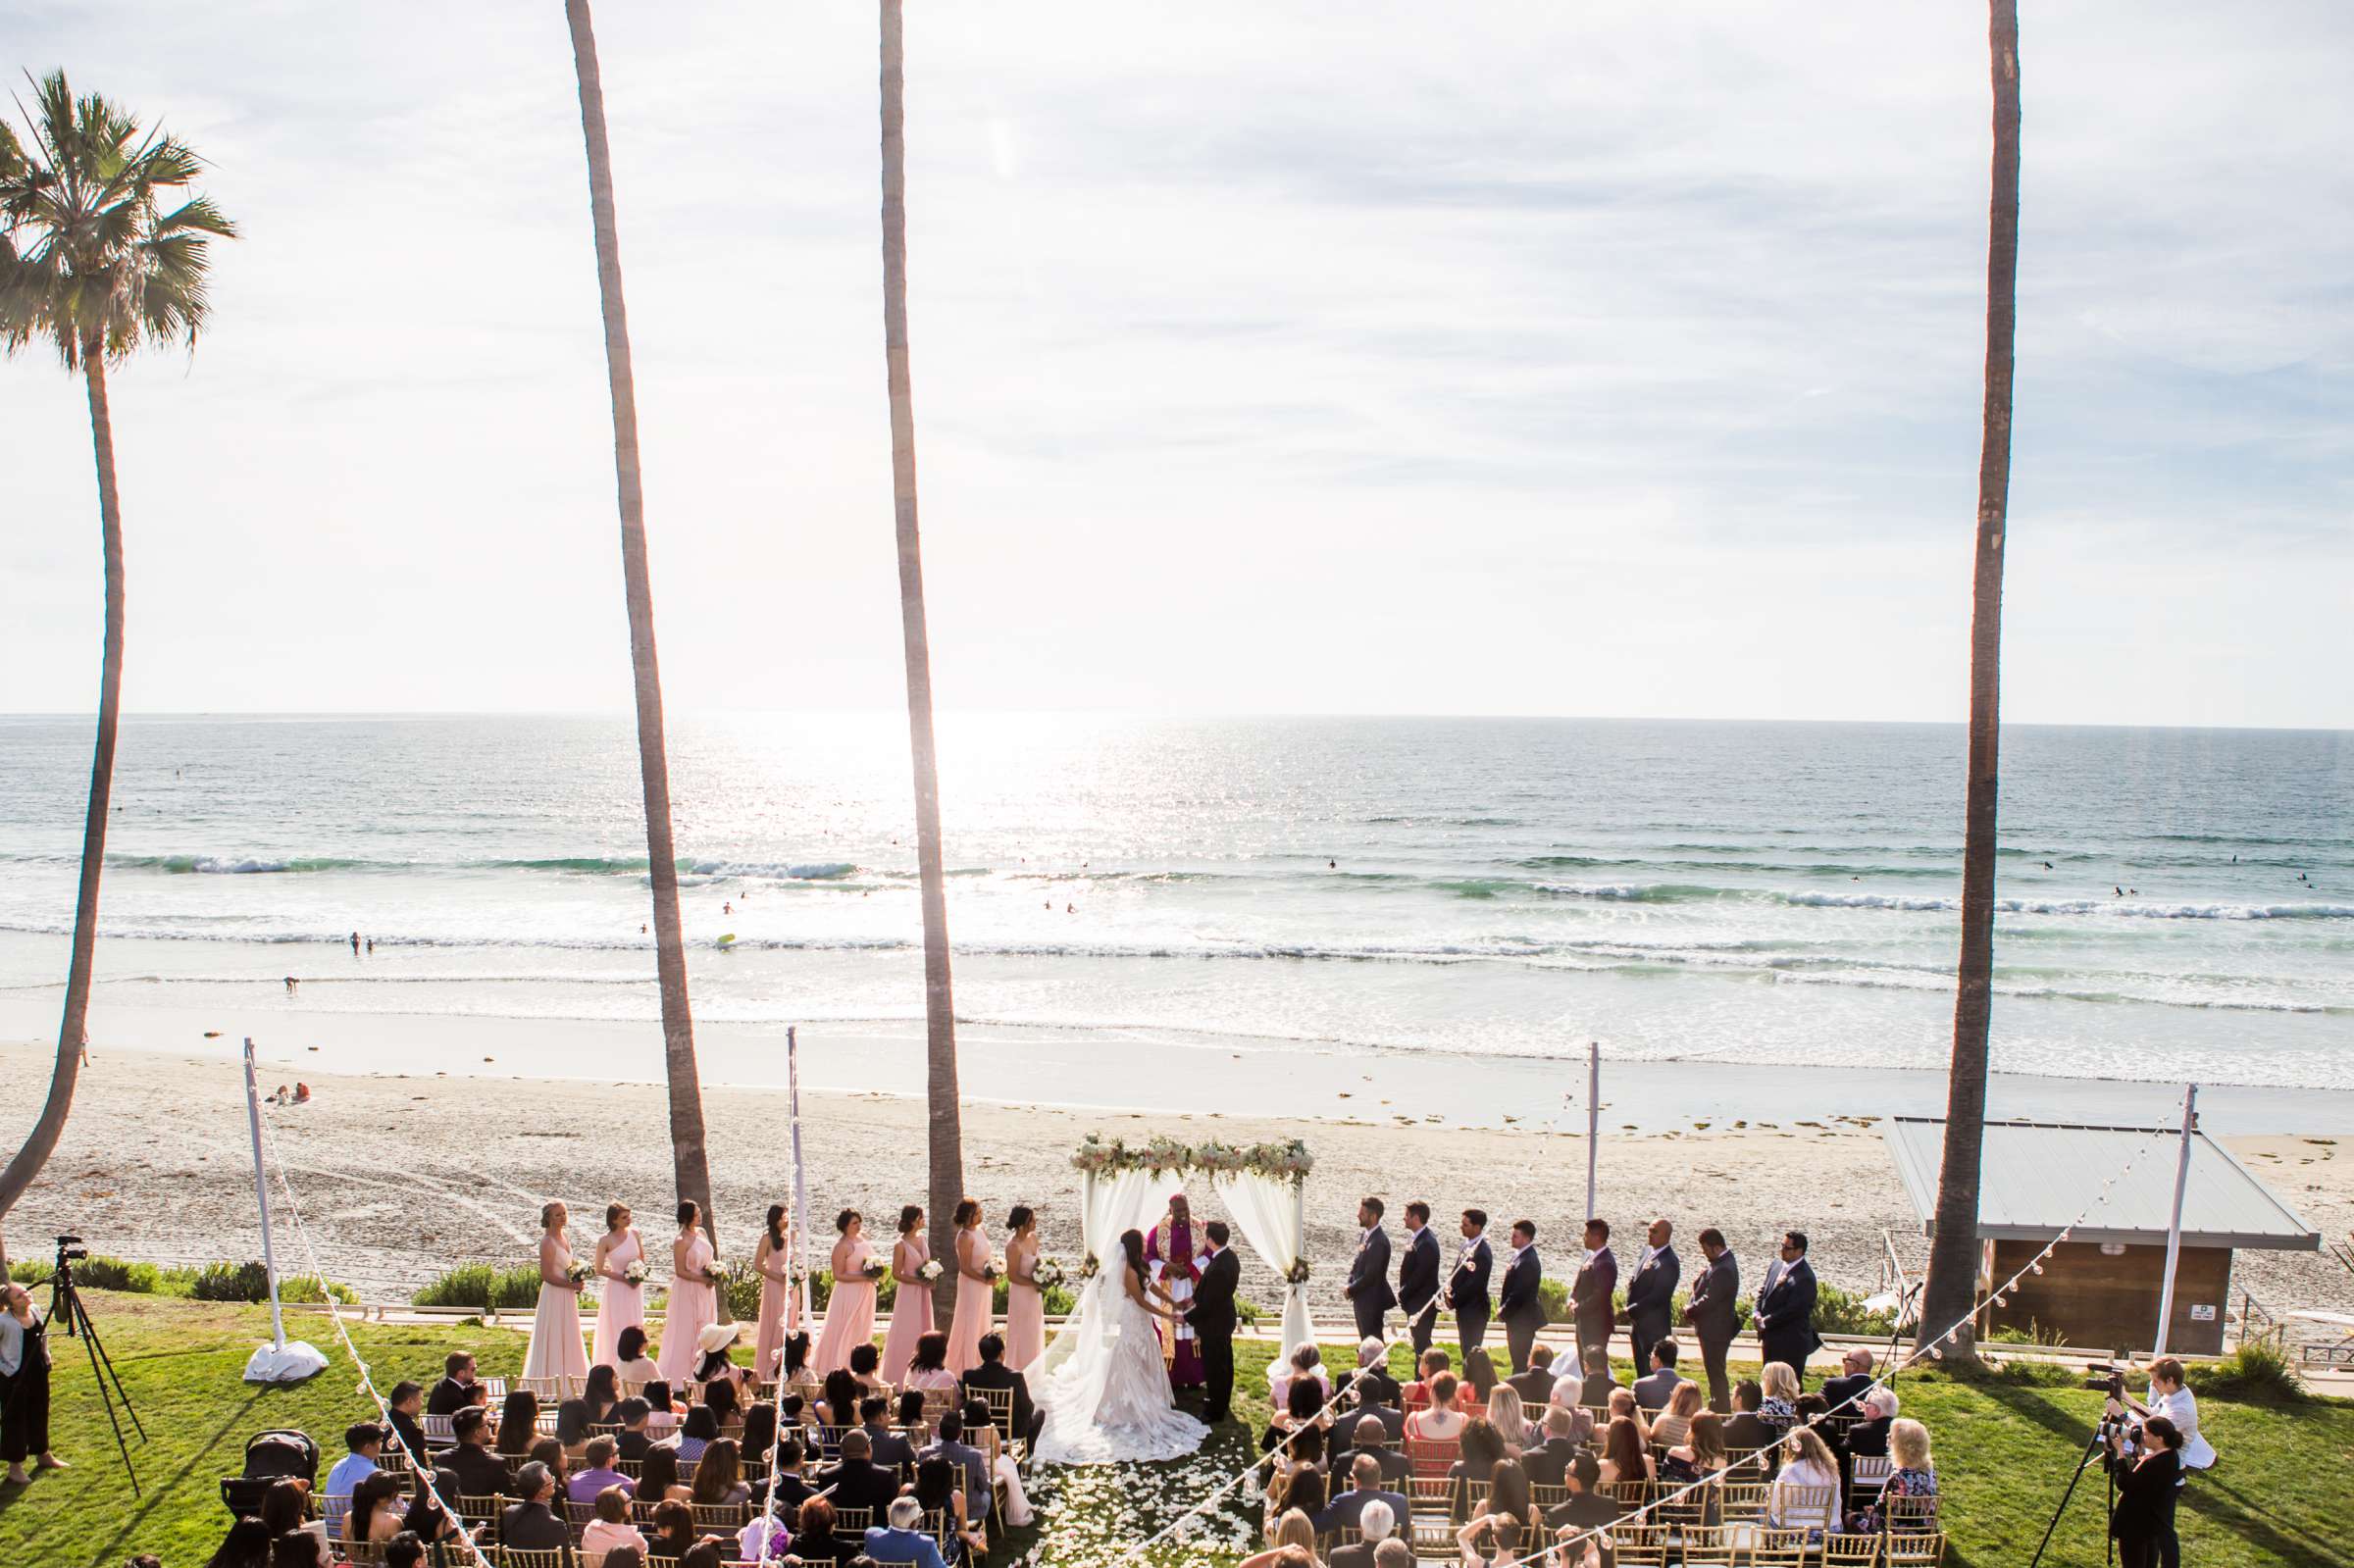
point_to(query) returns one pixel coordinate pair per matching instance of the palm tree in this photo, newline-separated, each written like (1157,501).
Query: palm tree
(92,266)
(691,1164)
(1954,1246)
(939,1008)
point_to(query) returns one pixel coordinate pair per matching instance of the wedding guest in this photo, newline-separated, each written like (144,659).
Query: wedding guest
(592,1407)
(1623,1407)
(713,1361)
(1283,1547)
(1655,1388)
(658,1477)
(1806,1462)
(1844,1392)
(850,1308)
(1589,1507)
(1671,1425)
(1915,1475)
(904,1539)
(1565,1398)
(556,1351)
(1780,1407)
(1467,1286)
(719,1475)
(519,1422)
(610,1529)
(1549,1460)
(950,1444)
(429,1518)
(405,1404)
(994,1374)
(815,1541)
(674,1533)
(1511,1422)
(791,1486)
(1418,1275)
(621,1300)
(1499,1518)
(1714,1312)
(840,1407)
(911,1300)
(597,1473)
(1025,1303)
(1480,1451)
(724,1403)
(480,1472)
(857,1481)
(455,1390)
(1535,1385)
(1699,1452)
(1625,1455)
(549,1452)
(697,1433)
(1478,1382)
(1374,1523)
(531,1523)
(1518,1303)
(1591,1292)
(1367,1490)
(1301,1410)
(1307,1362)
(772,1260)
(1441,1421)
(1785,1312)
(633,1416)
(1389,1417)
(247,1546)
(693,1295)
(1599,1380)
(1372,1384)
(1367,1288)
(1746,1430)
(798,1376)
(976,1289)
(379,1508)
(929,1367)
(1651,1292)
(1428,1364)
(630,1363)
(296,1540)
(939,1487)
(757,1436)
(1372,1440)
(888,1449)
(363,1442)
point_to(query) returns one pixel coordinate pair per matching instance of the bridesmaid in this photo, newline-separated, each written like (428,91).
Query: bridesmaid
(851,1310)
(912,1307)
(976,1291)
(694,1303)
(1025,1303)
(775,1264)
(556,1351)
(621,1304)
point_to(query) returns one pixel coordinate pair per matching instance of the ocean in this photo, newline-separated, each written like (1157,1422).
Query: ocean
(2176,904)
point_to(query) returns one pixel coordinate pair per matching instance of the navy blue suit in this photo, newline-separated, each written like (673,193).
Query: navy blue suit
(1520,1307)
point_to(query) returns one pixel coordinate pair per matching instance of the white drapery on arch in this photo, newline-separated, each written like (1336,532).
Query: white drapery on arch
(1272,1211)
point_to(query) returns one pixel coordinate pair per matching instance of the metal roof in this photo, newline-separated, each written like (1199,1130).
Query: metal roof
(2039,1176)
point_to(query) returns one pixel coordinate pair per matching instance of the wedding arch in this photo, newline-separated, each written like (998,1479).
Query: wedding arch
(1263,1185)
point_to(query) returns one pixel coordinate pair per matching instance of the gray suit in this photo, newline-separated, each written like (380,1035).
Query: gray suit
(1713,1314)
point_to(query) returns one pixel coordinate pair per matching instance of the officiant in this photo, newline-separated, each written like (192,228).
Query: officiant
(1176,1256)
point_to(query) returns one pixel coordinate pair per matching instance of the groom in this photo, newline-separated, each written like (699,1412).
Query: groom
(1212,1318)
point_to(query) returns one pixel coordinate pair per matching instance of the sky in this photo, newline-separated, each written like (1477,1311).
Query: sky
(1608,359)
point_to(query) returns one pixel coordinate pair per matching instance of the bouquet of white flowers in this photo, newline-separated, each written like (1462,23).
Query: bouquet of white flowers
(1047,1275)
(929,1271)
(579,1272)
(636,1272)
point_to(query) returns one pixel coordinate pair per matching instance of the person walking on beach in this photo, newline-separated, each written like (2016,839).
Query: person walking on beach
(1651,1291)
(1467,1286)
(1591,1293)
(1418,1275)
(1713,1311)
(1368,1289)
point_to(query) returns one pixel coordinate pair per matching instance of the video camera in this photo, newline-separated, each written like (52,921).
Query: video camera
(2106,1377)
(70,1250)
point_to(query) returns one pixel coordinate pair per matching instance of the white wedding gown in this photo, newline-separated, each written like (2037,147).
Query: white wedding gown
(1111,1403)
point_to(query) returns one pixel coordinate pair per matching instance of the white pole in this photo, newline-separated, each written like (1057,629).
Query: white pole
(1593,1118)
(261,1195)
(2173,1226)
(800,1177)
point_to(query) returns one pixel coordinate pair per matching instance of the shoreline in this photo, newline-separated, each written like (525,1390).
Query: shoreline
(401,1173)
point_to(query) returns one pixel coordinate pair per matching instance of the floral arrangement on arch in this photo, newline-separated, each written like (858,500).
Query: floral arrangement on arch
(1288,1161)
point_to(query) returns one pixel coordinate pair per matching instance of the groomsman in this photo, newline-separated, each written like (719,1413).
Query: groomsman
(1590,1293)
(1517,1299)
(1467,1286)
(1368,1289)
(1418,1275)
(1785,1315)
(1651,1292)
(1714,1311)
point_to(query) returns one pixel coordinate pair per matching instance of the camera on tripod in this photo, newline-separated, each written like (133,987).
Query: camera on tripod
(70,1250)
(2106,1377)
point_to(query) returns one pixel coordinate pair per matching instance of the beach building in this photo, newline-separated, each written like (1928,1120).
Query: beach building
(2101,1287)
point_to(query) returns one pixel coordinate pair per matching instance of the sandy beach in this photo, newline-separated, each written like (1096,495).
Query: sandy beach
(400,1175)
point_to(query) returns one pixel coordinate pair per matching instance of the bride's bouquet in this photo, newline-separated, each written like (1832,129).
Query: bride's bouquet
(635,1272)
(930,1272)
(1047,1275)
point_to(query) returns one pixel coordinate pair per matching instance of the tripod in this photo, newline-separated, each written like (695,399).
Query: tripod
(66,1307)
(2093,1450)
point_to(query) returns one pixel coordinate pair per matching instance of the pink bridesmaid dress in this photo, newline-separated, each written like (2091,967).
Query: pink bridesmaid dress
(693,1306)
(976,1304)
(849,1316)
(910,1315)
(1025,1314)
(768,1345)
(556,1351)
(619,1306)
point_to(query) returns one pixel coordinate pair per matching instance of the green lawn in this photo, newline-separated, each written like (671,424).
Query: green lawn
(2282,1495)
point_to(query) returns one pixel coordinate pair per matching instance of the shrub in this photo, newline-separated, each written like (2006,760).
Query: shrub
(2260,1370)
(250,1283)
(2033,1334)
(1554,1296)
(114,1274)
(1838,1311)
(484,1286)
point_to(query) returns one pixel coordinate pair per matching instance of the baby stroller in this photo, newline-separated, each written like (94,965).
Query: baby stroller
(269,1456)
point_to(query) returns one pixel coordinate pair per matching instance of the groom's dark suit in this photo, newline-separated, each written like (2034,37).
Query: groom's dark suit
(1212,1318)
(1368,1289)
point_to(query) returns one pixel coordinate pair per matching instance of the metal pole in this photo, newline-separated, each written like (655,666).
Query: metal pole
(2173,1226)
(261,1195)
(800,1177)
(1593,1118)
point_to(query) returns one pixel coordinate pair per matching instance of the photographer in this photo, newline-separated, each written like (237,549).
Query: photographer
(2144,1521)
(23,1385)
(2173,1400)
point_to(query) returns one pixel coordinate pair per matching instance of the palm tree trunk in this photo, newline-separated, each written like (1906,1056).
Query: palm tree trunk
(1954,1245)
(940,1010)
(72,1029)
(690,1161)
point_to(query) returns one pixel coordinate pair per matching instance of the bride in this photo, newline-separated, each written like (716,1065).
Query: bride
(1111,1402)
